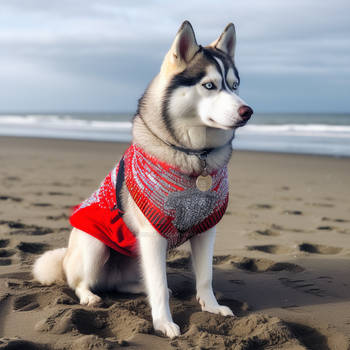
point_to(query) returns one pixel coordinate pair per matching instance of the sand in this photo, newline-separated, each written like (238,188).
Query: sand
(282,256)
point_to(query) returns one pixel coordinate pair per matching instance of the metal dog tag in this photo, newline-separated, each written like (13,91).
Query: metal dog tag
(204,183)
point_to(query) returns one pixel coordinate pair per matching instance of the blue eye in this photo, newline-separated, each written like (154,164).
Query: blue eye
(235,86)
(209,86)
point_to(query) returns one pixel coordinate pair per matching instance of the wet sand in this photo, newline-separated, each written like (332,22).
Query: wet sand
(282,255)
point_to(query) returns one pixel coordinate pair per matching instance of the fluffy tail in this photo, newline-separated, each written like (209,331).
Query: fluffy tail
(49,267)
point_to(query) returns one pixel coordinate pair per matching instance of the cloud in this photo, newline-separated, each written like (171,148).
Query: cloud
(78,50)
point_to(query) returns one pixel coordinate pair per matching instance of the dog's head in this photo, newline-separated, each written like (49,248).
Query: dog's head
(198,90)
(205,80)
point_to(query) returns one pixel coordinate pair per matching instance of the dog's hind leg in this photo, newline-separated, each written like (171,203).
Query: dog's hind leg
(83,265)
(202,247)
(123,274)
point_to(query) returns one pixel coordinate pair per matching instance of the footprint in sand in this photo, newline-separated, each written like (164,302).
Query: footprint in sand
(303,285)
(63,216)
(60,184)
(261,206)
(17,285)
(319,249)
(10,198)
(17,344)
(264,265)
(71,206)
(239,282)
(4,243)
(325,228)
(257,265)
(92,341)
(292,212)
(54,193)
(42,204)
(271,249)
(117,322)
(325,279)
(31,247)
(46,297)
(20,228)
(238,307)
(12,224)
(34,231)
(5,253)
(21,277)
(281,228)
(325,218)
(64,229)
(5,262)
(26,302)
(13,178)
(28,250)
(311,338)
(267,232)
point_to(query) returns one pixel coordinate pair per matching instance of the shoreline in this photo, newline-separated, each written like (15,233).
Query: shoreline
(129,142)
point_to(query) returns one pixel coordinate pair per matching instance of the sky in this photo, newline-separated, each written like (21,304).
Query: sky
(99,55)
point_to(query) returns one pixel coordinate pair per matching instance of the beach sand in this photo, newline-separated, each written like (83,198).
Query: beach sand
(282,255)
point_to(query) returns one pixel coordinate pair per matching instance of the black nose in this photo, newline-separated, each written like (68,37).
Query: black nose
(245,112)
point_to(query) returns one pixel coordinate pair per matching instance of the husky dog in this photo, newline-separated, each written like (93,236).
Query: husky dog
(152,200)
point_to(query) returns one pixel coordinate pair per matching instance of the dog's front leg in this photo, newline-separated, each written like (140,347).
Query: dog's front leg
(202,247)
(153,249)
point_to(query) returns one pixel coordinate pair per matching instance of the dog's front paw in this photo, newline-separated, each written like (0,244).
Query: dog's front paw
(218,309)
(90,300)
(210,304)
(170,329)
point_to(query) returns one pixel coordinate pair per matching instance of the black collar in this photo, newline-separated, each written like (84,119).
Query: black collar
(200,153)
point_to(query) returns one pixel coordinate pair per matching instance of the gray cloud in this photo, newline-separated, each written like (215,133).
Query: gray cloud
(100,55)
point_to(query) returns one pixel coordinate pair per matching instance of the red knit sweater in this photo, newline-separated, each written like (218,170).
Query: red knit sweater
(167,198)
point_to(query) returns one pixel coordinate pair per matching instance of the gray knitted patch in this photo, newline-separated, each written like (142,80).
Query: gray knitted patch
(191,207)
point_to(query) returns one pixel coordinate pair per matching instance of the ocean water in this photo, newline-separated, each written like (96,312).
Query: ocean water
(323,134)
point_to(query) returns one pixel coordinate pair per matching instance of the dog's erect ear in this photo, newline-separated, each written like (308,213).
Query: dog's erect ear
(184,46)
(227,40)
